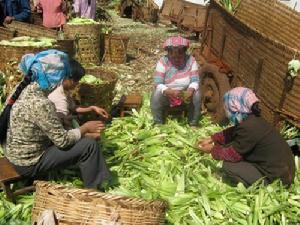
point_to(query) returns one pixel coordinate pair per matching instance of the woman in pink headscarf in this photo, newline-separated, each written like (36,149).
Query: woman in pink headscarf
(252,149)
(176,73)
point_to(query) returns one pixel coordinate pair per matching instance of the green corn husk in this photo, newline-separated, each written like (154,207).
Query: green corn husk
(146,164)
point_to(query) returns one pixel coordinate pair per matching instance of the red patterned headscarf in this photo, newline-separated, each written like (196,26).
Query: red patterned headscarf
(177,41)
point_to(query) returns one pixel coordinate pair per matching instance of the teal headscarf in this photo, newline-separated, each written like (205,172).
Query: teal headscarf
(48,68)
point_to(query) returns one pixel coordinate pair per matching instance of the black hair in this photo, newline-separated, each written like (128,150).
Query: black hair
(89,2)
(5,115)
(77,70)
(255,109)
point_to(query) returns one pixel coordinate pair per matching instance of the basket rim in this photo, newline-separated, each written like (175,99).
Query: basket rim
(127,202)
(91,70)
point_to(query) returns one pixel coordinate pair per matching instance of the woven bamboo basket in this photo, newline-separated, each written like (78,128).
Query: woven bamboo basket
(85,207)
(26,29)
(32,30)
(100,95)
(6,33)
(15,53)
(116,48)
(257,42)
(87,42)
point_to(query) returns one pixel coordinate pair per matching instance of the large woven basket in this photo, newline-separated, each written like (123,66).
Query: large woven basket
(87,42)
(6,33)
(116,48)
(32,30)
(26,29)
(85,207)
(100,95)
(15,53)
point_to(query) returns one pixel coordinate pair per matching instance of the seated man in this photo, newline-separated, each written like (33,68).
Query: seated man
(176,81)
(16,10)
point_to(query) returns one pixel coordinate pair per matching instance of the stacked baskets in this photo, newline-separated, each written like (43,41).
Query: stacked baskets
(79,206)
(116,48)
(100,95)
(87,42)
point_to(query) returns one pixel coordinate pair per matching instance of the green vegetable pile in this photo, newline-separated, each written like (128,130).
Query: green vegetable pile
(91,80)
(81,21)
(19,214)
(162,162)
(29,41)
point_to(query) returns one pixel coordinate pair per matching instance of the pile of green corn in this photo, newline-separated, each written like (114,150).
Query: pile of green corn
(161,162)
(91,80)
(81,21)
(29,41)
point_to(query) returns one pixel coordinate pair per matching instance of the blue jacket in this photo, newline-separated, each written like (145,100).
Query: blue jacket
(20,9)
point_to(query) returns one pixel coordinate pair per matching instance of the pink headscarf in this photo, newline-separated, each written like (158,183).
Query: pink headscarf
(176,42)
(238,102)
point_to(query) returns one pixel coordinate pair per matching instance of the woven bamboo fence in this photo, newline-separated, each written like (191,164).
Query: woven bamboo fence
(85,207)
(258,46)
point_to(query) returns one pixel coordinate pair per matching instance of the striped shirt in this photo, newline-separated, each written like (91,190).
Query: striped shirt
(168,76)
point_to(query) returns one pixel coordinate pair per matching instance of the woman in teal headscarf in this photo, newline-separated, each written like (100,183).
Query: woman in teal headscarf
(34,138)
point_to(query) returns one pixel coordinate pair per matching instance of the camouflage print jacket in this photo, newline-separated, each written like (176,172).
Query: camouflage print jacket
(34,126)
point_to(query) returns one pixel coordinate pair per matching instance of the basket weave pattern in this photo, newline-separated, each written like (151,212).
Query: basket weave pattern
(26,29)
(6,33)
(100,95)
(116,48)
(79,206)
(247,42)
(87,41)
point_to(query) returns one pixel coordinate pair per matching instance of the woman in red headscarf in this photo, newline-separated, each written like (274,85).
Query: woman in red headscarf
(176,73)
(252,149)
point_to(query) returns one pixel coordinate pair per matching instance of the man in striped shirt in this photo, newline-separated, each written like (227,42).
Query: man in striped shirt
(176,81)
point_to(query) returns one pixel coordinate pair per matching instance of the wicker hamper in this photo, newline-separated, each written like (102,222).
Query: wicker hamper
(6,33)
(116,48)
(32,30)
(80,206)
(101,95)
(25,29)
(87,42)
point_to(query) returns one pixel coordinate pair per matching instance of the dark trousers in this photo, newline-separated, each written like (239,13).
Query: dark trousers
(85,153)
(243,172)
(159,103)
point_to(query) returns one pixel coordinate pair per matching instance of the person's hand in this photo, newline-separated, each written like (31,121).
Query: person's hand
(205,141)
(172,93)
(206,145)
(9,19)
(100,111)
(207,148)
(92,127)
(189,93)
